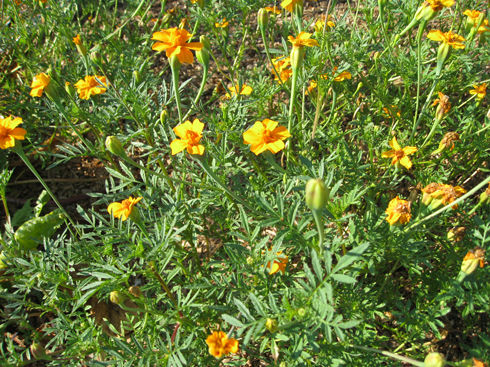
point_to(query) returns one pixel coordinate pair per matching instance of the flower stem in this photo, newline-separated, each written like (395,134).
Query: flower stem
(435,125)
(200,91)
(317,215)
(175,67)
(398,357)
(419,66)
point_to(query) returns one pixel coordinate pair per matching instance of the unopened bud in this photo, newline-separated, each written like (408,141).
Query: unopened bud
(117,297)
(136,76)
(262,19)
(3,265)
(301,312)
(203,55)
(114,145)
(69,89)
(485,196)
(250,260)
(434,359)
(316,194)
(271,325)
(163,116)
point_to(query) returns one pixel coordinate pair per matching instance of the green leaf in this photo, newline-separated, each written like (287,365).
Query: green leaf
(353,255)
(342,278)
(232,321)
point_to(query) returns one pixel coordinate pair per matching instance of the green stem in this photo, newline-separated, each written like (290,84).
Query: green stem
(175,67)
(435,125)
(398,357)
(200,91)
(419,67)
(317,215)
(417,122)
(294,92)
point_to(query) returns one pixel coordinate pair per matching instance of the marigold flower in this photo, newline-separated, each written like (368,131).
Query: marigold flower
(438,5)
(443,105)
(480,90)
(342,76)
(91,85)
(399,154)
(302,40)
(483,27)
(435,194)
(398,211)
(472,259)
(282,66)
(389,113)
(474,17)
(323,23)
(9,132)
(220,345)
(448,38)
(246,90)
(266,135)
(77,40)
(124,208)
(223,24)
(39,83)
(279,264)
(313,84)
(174,42)
(190,134)
(289,4)
(272,9)
(447,141)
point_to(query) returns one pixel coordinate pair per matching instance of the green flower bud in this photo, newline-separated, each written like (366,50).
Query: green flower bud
(136,76)
(271,325)
(250,260)
(316,194)
(203,55)
(163,116)
(301,312)
(297,56)
(485,196)
(434,360)
(262,19)
(114,145)
(117,297)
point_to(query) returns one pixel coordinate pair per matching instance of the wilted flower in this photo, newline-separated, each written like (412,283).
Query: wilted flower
(342,76)
(9,132)
(266,135)
(77,40)
(282,66)
(399,155)
(472,259)
(39,83)
(279,264)
(435,194)
(91,85)
(447,141)
(480,90)
(443,105)
(398,211)
(485,196)
(190,134)
(245,90)
(220,345)
(456,234)
(174,42)
(123,209)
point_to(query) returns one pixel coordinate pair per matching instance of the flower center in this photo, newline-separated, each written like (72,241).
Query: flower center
(4,132)
(192,137)
(399,154)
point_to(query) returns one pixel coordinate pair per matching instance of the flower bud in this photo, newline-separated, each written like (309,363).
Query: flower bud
(136,76)
(163,116)
(301,312)
(114,145)
(135,291)
(456,234)
(271,325)
(472,260)
(203,55)
(434,359)
(263,19)
(250,260)
(69,89)
(297,56)
(117,297)
(485,196)
(316,194)
(3,265)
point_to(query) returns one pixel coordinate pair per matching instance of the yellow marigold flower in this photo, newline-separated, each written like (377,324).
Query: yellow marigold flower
(272,9)
(223,24)
(289,4)
(472,259)
(342,76)
(279,264)
(9,132)
(124,208)
(77,40)
(483,27)
(39,83)
(246,90)
(435,194)
(399,154)
(190,134)
(448,38)
(174,42)
(266,135)
(302,40)
(474,17)
(438,5)
(443,105)
(398,211)
(480,90)
(90,86)
(219,344)
(320,24)
(282,66)
(313,84)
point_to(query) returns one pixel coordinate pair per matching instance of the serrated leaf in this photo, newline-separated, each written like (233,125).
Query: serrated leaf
(243,309)
(316,265)
(342,278)
(232,320)
(353,255)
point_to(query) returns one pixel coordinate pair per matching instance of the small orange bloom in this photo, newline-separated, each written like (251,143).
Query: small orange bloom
(398,211)
(342,76)
(435,194)
(174,42)
(279,264)
(320,25)
(220,345)
(302,40)
(443,105)
(438,5)
(39,83)
(9,132)
(246,90)
(190,134)
(472,259)
(399,154)
(266,135)
(480,90)
(289,4)
(448,38)
(223,24)
(474,17)
(77,40)
(91,85)
(282,66)
(124,208)
(272,9)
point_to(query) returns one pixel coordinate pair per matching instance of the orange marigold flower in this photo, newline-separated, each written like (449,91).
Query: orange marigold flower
(266,135)
(448,38)
(399,154)
(190,134)
(435,194)
(323,23)
(474,17)
(342,76)
(282,66)
(279,264)
(443,105)
(9,132)
(438,5)
(124,208)
(219,344)
(392,112)
(223,24)
(398,211)
(246,90)
(480,90)
(174,42)
(483,27)
(289,4)
(91,85)
(77,40)
(39,83)
(302,40)
(272,9)
(472,259)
